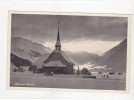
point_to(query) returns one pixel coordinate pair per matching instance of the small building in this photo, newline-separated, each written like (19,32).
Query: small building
(25,68)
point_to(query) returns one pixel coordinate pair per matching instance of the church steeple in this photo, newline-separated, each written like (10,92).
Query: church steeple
(58,44)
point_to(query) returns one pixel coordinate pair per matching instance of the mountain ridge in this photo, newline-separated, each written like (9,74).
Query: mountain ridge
(27,49)
(115,58)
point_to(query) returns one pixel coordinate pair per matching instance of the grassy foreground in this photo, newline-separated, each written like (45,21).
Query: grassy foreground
(64,81)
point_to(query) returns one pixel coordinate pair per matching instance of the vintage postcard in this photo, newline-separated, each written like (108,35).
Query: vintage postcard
(68,51)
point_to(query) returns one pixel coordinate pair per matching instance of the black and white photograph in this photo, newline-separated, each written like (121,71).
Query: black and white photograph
(69,51)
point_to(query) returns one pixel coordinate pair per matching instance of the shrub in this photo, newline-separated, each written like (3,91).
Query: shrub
(84,71)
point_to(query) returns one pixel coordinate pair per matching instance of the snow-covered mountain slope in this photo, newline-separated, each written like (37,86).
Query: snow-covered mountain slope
(27,49)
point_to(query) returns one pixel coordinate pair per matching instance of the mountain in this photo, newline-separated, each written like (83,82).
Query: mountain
(32,51)
(114,59)
(27,49)
(82,57)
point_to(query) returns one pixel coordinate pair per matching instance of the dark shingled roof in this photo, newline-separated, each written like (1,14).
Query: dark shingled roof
(64,56)
(54,64)
(40,61)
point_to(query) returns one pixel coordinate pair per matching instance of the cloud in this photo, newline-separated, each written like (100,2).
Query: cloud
(43,28)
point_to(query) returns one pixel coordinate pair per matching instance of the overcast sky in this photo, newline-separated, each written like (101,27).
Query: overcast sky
(73,30)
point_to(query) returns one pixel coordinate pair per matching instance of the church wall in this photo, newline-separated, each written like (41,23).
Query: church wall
(69,69)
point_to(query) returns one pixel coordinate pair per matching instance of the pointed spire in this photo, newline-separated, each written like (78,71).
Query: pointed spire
(58,36)
(58,45)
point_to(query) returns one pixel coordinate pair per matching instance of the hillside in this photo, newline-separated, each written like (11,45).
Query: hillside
(17,61)
(114,59)
(27,49)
